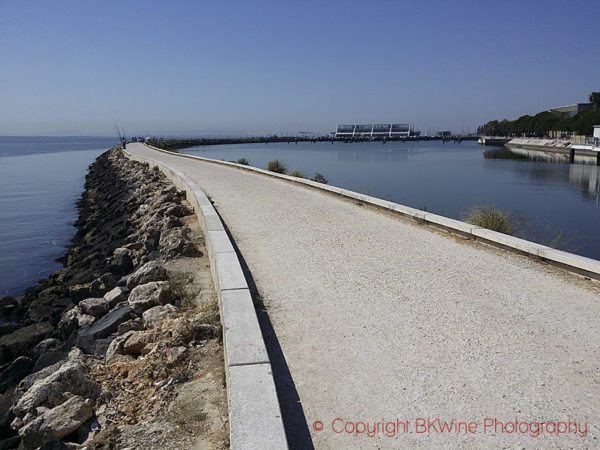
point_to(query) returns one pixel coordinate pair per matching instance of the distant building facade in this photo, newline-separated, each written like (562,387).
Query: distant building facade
(569,111)
(375,131)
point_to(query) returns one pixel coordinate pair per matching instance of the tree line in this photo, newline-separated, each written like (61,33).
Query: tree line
(542,123)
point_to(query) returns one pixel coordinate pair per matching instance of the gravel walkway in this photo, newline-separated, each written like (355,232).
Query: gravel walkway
(383,320)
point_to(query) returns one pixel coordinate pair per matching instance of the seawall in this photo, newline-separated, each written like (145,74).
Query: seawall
(71,365)
(552,149)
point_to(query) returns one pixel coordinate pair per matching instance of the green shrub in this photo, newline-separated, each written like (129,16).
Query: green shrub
(319,178)
(297,173)
(243,161)
(490,217)
(276,166)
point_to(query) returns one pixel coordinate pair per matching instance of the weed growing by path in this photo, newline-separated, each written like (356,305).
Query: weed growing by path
(277,166)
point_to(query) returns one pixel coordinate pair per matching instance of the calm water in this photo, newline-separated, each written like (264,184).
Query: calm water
(41,178)
(551,200)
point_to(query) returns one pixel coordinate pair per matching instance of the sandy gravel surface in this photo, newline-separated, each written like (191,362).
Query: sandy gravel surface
(381,320)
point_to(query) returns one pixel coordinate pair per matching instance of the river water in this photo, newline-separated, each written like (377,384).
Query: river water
(41,179)
(553,203)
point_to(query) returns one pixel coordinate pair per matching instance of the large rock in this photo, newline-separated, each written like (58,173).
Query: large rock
(115,349)
(7,306)
(8,327)
(176,242)
(147,295)
(15,372)
(19,342)
(80,291)
(122,260)
(102,285)
(134,344)
(95,307)
(7,400)
(178,211)
(93,338)
(156,313)
(130,325)
(151,271)
(116,295)
(72,320)
(50,391)
(47,345)
(57,422)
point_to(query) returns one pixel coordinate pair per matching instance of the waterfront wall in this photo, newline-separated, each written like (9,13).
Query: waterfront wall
(75,331)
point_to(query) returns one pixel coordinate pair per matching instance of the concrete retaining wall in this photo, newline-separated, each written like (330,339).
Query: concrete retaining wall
(574,263)
(255,420)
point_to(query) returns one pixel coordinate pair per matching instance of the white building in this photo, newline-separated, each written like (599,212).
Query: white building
(375,131)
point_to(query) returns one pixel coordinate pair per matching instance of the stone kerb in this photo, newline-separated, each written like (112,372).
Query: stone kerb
(255,420)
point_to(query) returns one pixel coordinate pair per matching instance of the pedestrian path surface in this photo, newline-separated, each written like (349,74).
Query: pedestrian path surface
(381,320)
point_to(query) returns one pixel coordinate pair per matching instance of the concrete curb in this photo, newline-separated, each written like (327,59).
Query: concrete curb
(579,264)
(255,420)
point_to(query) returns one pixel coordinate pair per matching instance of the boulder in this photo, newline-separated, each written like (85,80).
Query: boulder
(12,442)
(46,345)
(151,271)
(102,329)
(15,372)
(130,325)
(72,320)
(178,211)
(95,307)
(48,359)
(122,259)
(50,391)
(176,242)
(102,285)
(147,295)
(116,295)
(135,342)
(7,401)
(79,291)
(7,306)
(20,341)
(156,313)
(8,327)
(57,423)
(115,349)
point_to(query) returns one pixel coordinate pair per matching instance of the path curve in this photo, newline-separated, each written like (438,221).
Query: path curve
(380,319)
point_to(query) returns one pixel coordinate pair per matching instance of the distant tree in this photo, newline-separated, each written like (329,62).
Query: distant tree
(595,99)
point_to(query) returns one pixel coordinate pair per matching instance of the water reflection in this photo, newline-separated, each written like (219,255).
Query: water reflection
(588,177)
(582,173)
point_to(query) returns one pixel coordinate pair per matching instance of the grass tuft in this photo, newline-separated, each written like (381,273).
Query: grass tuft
(243,161)
(297,173)
(320,178)
(490,217)
(277,166)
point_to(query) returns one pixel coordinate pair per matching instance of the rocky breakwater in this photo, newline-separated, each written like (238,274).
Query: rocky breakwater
(102,346)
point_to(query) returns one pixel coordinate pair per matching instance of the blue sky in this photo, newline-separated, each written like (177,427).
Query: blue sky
(285,66)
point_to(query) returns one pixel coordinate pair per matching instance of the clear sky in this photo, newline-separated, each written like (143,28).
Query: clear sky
(285,66)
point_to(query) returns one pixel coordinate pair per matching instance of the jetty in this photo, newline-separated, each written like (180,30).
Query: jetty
(373,312)
(493,140)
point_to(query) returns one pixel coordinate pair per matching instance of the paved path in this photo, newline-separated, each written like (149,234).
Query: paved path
(380,319)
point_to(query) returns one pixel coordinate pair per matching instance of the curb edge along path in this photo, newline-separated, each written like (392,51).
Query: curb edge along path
(430,326)
(255,420)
